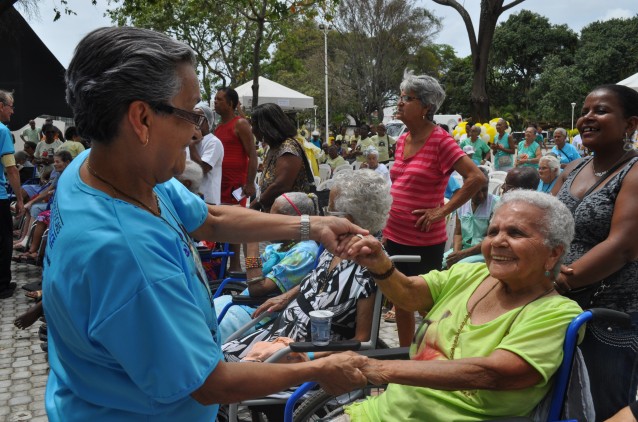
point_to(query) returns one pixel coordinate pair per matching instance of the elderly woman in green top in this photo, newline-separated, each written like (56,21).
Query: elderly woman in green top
(529,152)
(494,333)
(480,147)
(502,148)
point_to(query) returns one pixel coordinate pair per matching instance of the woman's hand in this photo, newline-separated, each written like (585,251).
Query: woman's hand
(367,252)
(274,304)
(341,372)
(375,372)
(455,257)
(562,284)
(249,189)
(333,232)
(431,215)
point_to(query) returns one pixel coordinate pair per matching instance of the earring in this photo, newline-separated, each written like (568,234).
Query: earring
(548,274)
(145,143)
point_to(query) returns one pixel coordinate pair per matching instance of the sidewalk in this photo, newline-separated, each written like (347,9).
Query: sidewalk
(23,365)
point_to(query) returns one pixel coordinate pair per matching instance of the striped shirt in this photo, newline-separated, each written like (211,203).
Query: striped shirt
(419,182)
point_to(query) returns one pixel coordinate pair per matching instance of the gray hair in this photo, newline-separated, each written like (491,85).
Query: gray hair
(552,162)
(112,67)
(561,130)
(208,113)
(365,196)
(192,172)
(307,203)
(371,151)
(426,88)
(557,223)
(6,96)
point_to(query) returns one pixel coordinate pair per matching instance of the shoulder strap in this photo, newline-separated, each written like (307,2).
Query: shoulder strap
(609,173)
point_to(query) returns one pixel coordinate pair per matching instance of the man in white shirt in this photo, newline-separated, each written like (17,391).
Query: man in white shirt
(208,152)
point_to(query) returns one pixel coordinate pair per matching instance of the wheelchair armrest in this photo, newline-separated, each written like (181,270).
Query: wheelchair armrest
(333,346)
(249,300)
(399,353)
(236,274)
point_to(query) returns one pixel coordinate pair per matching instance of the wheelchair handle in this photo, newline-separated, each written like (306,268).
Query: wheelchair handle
(405,258)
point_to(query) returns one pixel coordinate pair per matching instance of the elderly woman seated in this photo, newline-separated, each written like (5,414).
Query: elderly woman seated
(280,268)
(472,219)
(548,171)
(494,331)
(337,285)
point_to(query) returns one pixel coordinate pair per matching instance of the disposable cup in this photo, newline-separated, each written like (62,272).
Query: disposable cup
(320,327)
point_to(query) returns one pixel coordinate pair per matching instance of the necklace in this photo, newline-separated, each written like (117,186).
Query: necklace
(604,173)
(123,194)
(455,342)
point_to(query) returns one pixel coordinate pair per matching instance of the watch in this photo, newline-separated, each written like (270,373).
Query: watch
(305,227)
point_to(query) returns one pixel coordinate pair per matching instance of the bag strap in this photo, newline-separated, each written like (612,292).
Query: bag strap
(609,172)
(309,175)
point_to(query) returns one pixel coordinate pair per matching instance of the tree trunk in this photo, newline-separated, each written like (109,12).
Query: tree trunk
(479,98)
(256,65)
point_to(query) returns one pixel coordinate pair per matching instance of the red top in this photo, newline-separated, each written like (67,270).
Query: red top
(235,162)
(419,182)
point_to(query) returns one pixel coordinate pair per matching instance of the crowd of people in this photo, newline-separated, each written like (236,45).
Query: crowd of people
(131,321)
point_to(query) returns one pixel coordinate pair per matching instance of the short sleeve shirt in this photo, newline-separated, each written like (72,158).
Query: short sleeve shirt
(6,148)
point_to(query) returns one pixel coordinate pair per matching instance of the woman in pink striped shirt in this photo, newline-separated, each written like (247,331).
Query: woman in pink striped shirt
(424,159)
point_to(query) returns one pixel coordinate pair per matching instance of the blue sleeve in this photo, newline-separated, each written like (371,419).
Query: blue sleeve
(190,208)
(452,186)
(294,267)
(161,340)
(6,141)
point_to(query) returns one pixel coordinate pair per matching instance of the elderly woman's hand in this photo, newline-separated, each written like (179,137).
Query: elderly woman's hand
(274,304)
(367,252)
(376,372)
(431,215)
(334,232)
(341,372)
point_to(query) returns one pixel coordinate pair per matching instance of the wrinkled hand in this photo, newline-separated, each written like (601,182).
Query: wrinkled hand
(375,372)
(274,304)
(431,215)
(367,252)
(454,257)
(341,372)
(334,232)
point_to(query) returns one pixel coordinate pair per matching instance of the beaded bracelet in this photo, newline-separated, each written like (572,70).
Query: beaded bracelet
(384,275)
(253,262)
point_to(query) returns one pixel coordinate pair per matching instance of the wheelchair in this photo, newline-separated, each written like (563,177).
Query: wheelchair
(320,405)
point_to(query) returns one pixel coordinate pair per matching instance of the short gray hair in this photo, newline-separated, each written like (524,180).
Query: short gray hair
(557,223)
(552,162)
(426,88)
(365,196)
(6,96)
(306,203)
(112,67)
(192,172)
(561,130)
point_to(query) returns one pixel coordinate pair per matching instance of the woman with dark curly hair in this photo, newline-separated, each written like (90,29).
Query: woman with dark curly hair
(286,168)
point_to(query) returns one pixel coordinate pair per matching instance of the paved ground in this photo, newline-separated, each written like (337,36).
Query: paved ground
(23,364)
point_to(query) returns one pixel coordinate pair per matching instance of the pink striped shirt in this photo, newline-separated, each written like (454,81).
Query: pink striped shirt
(417,183)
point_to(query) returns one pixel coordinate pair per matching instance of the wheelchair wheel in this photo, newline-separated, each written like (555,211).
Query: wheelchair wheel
(319,404)
(231,288)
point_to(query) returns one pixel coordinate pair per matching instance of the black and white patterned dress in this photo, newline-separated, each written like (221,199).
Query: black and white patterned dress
(593,216)
(337,291)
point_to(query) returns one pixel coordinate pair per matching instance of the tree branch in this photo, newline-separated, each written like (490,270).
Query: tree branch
(466,19)
(512,4)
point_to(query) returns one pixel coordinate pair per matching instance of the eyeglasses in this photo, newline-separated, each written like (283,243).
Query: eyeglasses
(8,105)
(407,98)
(194,118)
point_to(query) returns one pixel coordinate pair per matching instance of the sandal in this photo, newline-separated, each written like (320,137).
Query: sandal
(37,295)
(390,316)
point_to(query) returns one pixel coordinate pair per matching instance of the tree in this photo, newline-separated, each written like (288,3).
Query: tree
(480,47)
(520,46)
(377,39)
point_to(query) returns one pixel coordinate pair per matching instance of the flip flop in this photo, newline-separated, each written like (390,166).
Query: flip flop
(390,317)
(37,294)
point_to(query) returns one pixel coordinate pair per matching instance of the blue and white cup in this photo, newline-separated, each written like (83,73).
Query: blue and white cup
(320,327)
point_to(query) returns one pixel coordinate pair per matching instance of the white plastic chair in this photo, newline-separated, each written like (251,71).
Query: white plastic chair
(495,186)
(389,165)
(356,165)
(487,168)
(324,172)
(325,185)
(317,180)
(498,174)
(343,167)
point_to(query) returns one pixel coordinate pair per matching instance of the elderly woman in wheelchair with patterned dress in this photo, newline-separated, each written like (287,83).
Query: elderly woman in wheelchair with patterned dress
(493,336)
(336,284)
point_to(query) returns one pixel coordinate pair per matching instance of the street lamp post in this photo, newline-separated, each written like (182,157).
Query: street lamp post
(325,44)
(573,105)
(315,126)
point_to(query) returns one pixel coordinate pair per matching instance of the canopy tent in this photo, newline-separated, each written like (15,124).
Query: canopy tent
(631,82)
(272,92)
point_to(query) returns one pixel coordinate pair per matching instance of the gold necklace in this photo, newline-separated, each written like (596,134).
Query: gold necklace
(455,342)
(125,195)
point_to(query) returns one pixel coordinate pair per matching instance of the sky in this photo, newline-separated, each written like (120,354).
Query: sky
(62,36)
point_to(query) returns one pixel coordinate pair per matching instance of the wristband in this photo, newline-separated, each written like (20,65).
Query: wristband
(305,227)
(253,262)
(384,275)
(311,355)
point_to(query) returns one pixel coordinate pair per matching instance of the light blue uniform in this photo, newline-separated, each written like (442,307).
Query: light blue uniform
(6,148)
(567,154)
(132,331)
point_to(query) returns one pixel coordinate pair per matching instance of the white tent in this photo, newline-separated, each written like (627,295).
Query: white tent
(631,82)
(272,92)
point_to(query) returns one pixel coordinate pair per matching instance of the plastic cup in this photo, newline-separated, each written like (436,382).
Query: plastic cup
(320,327)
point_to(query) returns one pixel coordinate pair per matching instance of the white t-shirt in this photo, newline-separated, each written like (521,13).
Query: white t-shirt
(383,171)
(211,152)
